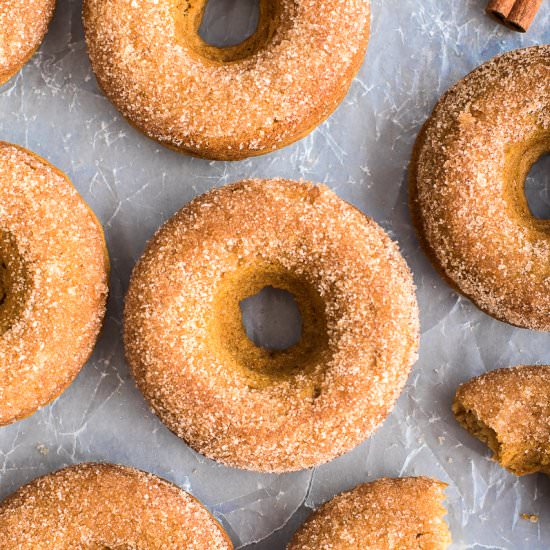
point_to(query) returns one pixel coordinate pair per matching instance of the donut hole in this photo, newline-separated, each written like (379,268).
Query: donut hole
(224,31)
(14,282)
(271,319)
(526,181)
(296,353)
(229,22)
(537,188)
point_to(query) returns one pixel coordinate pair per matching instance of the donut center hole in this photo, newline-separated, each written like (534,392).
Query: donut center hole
(268,325)
(14,282)
(227,23)
(224,31)
(537,188)
(271,319)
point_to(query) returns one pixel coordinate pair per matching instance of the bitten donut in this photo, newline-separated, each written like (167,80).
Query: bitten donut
(101,506)
(226,103)
(467,187)
(53,282)
(405,513)
(241,404)
(23,24)
(509,410)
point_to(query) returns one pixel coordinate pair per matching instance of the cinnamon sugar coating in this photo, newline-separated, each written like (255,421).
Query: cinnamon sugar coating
(23,24)
(226,103)
(243,405)
(467,187)
(509,409)
(405,513)
(53,282)
(100,506)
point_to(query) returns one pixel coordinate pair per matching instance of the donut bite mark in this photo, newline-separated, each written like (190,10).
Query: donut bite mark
(509,410)
(405,513)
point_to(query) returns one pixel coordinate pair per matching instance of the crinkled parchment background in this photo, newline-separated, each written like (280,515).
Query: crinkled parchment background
(417,50)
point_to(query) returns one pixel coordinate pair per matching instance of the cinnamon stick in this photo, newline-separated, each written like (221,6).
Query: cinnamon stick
(500,8)
(515,14)
(522,14)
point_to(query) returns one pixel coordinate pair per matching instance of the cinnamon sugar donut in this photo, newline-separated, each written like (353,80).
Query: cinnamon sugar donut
(226,103)
(467,187)
(509,410)
(405,513)
(103,506)
(53,282)
(243,405)
(23,24)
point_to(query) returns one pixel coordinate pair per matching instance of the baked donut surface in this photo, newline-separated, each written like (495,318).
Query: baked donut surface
(23,24)
(467,181)
(241,404)
(405,513)
(509,410)
(53,282)
(226,103)
(104,506)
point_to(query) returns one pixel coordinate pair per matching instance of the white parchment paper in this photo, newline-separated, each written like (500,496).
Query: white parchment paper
(418,49)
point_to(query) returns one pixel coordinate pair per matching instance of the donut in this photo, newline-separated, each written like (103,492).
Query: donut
(243,405)
(53,282)
(23,24)
(226,103)
(467,180)
(104,506)
(509,410)
(405,513)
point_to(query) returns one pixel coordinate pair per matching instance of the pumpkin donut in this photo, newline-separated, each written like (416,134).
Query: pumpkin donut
(467,187)
(226,103)
(405,513)
(100,506)
(53,282)
(509,410)
(23,24)
(243,405)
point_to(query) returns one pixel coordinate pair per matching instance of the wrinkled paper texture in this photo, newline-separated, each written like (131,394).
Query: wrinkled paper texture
(417,50)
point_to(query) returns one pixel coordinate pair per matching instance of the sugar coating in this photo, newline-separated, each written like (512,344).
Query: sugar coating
(467,179)
(404,513)
(155,72)
(100,506)
(23,24)
(512,404)
(53,282)
(194,382)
